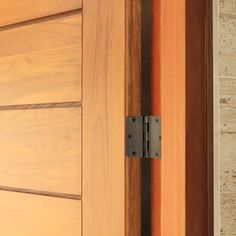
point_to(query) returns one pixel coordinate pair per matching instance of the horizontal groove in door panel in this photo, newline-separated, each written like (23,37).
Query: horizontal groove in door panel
(41,63)
(14,11)
(43,193)
(24,214)
(40,20)
(41,106)
(41,77)
(41,149)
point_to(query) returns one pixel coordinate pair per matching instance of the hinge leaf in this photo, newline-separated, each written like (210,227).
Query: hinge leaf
(143,136)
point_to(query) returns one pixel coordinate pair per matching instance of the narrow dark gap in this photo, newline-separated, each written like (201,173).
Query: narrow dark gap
(146,52)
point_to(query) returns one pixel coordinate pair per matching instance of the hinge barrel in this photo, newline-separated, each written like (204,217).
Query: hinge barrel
(146,137)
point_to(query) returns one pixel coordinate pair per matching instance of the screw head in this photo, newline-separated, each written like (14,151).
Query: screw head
(133,153)
(133,119)
(129,136)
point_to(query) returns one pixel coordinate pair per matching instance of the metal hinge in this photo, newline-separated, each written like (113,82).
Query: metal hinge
(143,136)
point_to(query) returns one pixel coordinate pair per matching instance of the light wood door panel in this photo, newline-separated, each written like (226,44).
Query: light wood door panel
(103,118)
(14,11)
(51,118)
(27,215)
(40,35)
(41,62)
(41,149)
(44,76)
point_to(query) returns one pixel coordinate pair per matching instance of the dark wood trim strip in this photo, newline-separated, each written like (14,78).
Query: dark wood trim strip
(42,193)
(41,106)
(199,119)
(133,107)
(146,74)
(156,96)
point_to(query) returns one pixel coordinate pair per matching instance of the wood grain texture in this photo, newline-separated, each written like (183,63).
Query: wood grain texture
(41,149)
(133,107)
(41,62)
(156,98)
(103,118)
(199,119)
(173,101)
(14,11)
(53,33)
(23,214)
(41,77)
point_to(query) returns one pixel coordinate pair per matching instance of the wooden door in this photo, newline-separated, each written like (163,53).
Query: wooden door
(62,112)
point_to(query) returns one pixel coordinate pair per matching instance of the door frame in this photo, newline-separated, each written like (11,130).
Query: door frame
(199,118)
(199,162)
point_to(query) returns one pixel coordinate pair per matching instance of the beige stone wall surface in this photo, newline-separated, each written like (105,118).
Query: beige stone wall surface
(227,78)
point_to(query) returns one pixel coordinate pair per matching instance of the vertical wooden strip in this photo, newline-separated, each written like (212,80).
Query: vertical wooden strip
(209,116)
(156,110)
(146,64)
(173,82)
(216,114)
(133,107)
(103,118)
(199,118)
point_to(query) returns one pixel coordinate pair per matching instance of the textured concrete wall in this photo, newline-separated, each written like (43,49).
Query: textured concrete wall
(227,77)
